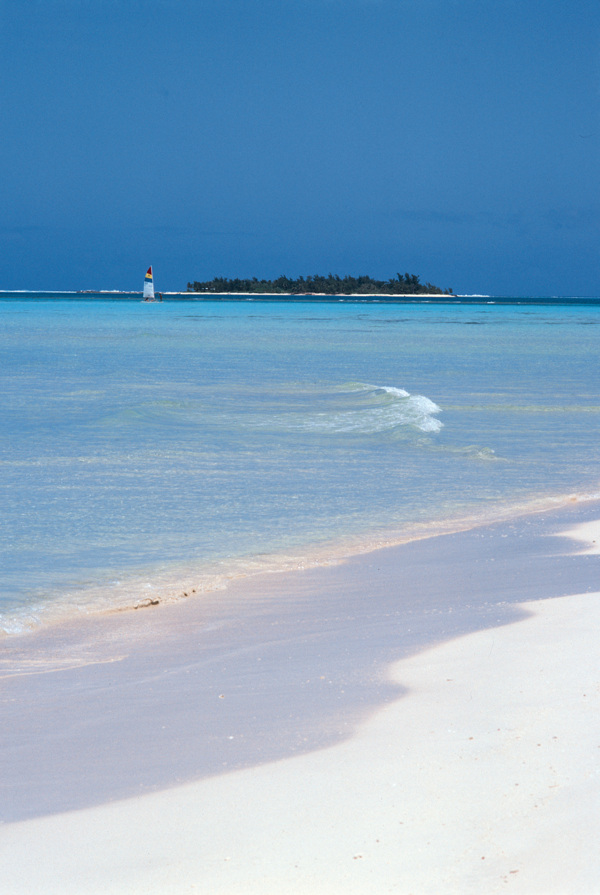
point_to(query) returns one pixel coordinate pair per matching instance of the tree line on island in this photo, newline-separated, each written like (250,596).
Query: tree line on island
(401,284)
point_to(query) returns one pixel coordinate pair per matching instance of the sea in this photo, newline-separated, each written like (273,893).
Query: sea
(156,451)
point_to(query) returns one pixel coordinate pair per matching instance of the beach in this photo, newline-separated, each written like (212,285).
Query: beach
(299,589)
(417,719)
(298,597)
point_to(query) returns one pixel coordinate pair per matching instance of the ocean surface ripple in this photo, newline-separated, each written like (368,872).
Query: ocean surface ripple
(152,451)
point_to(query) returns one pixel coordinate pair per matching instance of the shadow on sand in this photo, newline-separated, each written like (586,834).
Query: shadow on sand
(120,705)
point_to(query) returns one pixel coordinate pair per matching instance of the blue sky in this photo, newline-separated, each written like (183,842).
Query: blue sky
(455,139)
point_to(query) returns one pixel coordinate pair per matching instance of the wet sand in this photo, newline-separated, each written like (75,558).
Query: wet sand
(421,719)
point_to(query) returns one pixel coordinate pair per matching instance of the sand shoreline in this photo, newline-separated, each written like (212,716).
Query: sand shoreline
(197,579)
(263,728)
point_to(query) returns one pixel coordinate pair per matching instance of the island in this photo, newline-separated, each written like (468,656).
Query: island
(401,284)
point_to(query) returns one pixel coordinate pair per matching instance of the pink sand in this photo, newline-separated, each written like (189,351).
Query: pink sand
(419,719)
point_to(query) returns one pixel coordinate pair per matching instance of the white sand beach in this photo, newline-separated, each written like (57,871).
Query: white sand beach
(420,719)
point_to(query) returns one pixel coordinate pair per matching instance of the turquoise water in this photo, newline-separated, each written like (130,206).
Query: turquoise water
(148,449)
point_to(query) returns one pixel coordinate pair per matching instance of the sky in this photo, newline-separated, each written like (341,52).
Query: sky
(455,139)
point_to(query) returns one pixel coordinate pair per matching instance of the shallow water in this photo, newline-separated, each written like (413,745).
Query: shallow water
(146,448)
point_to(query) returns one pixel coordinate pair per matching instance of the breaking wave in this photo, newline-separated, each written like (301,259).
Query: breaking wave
(361,409)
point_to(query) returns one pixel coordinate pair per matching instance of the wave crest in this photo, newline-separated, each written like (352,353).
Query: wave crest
(360,409)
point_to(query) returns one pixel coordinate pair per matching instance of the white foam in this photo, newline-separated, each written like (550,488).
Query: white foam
(363,410)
